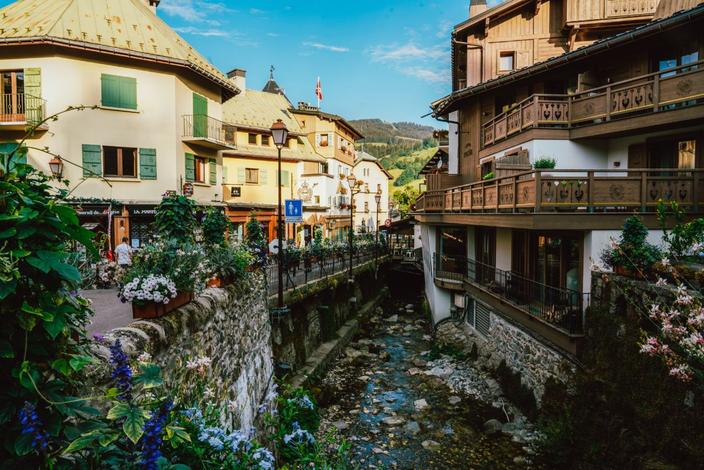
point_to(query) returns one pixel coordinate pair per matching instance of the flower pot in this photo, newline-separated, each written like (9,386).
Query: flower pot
(214,282)
(156,310)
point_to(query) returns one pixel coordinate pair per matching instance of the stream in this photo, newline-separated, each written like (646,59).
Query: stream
(401,403)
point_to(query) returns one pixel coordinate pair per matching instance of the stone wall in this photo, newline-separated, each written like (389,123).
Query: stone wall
(231,327)
(524,355)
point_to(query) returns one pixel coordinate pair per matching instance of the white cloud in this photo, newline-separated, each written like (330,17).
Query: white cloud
(326,47)
(427,75)
(406,52)
(208,32)
(195,11)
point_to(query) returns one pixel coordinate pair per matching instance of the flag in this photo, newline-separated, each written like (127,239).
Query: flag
(319,90)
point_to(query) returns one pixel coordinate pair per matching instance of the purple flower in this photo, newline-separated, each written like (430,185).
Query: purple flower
(153,435)
(32,425)
(121,372)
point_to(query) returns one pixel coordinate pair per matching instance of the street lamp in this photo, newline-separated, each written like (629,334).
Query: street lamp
(377,198)
(280,135)
(56,166)
(355,188)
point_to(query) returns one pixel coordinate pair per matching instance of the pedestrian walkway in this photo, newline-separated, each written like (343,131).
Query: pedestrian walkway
(110,312)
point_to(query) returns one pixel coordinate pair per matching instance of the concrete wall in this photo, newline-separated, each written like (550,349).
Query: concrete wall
(231,326)
(438,299)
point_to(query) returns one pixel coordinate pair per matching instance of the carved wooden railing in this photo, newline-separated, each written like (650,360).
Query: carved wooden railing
(651,93)
(572,191)
(630,8)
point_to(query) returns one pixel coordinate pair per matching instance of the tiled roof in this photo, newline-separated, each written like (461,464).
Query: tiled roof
(125,27)
(259,110)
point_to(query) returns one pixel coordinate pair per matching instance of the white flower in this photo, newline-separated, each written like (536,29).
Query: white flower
(208,393)
(144,357)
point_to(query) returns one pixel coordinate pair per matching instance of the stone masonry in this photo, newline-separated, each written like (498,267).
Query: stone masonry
(231,327)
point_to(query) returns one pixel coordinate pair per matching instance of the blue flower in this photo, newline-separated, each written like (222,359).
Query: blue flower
(299,436)
(121,372)
(153,435)
(32,425)
(263,459)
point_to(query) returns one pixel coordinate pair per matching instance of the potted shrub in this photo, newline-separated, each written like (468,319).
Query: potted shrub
(152,296)
(632,255)
(226,263)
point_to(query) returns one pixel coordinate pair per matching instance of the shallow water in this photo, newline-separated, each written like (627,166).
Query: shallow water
(371,399)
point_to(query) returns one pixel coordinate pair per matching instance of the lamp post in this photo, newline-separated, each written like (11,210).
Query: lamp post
(377,198)
(355,188)
(280,135)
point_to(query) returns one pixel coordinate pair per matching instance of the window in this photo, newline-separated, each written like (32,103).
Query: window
(252,139)
(324,140)
(12,94)
(201,167)
(507,61)
(265,140)
(251,175)
(673,153)
(324,168)
(120,161)
(118,92)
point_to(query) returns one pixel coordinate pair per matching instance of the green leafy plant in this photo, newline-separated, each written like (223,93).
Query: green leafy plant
(488,176)
(632,252)
(228,261)
(255,241)
(215,225)
(545,163)
(175,219)
(685,238)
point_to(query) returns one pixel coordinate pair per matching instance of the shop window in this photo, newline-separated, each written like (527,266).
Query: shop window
(120,162)
(252,139)
(201,169)
(140,232)
(251,175)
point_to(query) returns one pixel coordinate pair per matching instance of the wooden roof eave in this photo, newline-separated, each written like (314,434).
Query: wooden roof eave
(450,102)
(227,88)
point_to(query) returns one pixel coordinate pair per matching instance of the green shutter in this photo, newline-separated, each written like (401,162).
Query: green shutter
(213,167)
(241,177)
(190,167)
(147,164)
(34,106)
(285,178)
(118,92)
(92,163)
(263,177)
(200,116)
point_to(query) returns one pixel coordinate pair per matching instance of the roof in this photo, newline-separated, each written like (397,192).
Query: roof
(363,156)
(501,8)
(449,102)
(259,110)
(311,111)
(273,87)
(127,28)
(306,153)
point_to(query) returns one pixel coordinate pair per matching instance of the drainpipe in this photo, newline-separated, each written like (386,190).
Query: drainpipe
(470,45)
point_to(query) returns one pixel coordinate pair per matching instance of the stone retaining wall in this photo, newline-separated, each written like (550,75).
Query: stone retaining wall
(231,327)
(527,357)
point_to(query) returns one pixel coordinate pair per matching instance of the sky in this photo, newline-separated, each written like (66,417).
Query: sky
(386,59)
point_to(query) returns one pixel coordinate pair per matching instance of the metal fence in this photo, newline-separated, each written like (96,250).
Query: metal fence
(562,308)
(311,268)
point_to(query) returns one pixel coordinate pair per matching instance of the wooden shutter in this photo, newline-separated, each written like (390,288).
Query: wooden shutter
(200,116)
(190,167)
(637,156)
(92,162)
(110,91)
(147,164)
(128,92)
(263,177)
(241,177)
(213,170)
(34,111)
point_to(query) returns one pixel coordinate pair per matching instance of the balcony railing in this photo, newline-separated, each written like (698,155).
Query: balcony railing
(208,129)
(19,108)
(561,308)
(646,94)
(572,191)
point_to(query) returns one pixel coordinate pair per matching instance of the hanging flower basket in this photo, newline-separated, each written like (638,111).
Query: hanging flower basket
(156,309)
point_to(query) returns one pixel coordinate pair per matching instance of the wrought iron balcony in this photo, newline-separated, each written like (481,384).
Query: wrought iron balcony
(562,309)
(209,132)
(18,110)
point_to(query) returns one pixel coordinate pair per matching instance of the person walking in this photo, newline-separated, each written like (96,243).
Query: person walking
(123,253)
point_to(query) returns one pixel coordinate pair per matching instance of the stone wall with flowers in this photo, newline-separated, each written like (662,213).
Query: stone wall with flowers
(216,349)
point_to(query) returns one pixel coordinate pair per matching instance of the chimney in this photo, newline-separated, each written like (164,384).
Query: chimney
(239,78)
(477,7)
(152,4)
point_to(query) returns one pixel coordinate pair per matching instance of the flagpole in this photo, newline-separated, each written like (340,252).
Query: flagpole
(317,93)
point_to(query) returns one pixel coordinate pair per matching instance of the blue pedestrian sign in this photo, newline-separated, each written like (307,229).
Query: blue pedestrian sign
(293,211)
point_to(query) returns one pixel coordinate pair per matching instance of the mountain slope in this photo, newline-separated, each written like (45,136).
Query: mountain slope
(378,131)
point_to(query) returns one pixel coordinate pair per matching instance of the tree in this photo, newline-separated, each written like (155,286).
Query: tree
(256,243)
(175,219)
(215,224)
(404,199)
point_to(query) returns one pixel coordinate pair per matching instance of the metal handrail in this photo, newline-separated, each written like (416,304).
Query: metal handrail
(207,127)
(21,107)
(561,308)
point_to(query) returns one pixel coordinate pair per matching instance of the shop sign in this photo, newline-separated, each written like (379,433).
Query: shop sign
(188,189)
(141,211)
(235,191)
(94,211)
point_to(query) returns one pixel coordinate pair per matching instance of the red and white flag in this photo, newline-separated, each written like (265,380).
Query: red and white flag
(319,91)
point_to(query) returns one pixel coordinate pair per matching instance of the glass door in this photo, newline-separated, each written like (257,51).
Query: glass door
(12,97)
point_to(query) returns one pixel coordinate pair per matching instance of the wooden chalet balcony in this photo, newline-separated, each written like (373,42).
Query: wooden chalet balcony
(209,132)
(581,11)
(574,191)
(18,110)
(667,90)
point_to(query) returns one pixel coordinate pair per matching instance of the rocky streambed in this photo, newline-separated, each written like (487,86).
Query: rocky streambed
(401,403)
